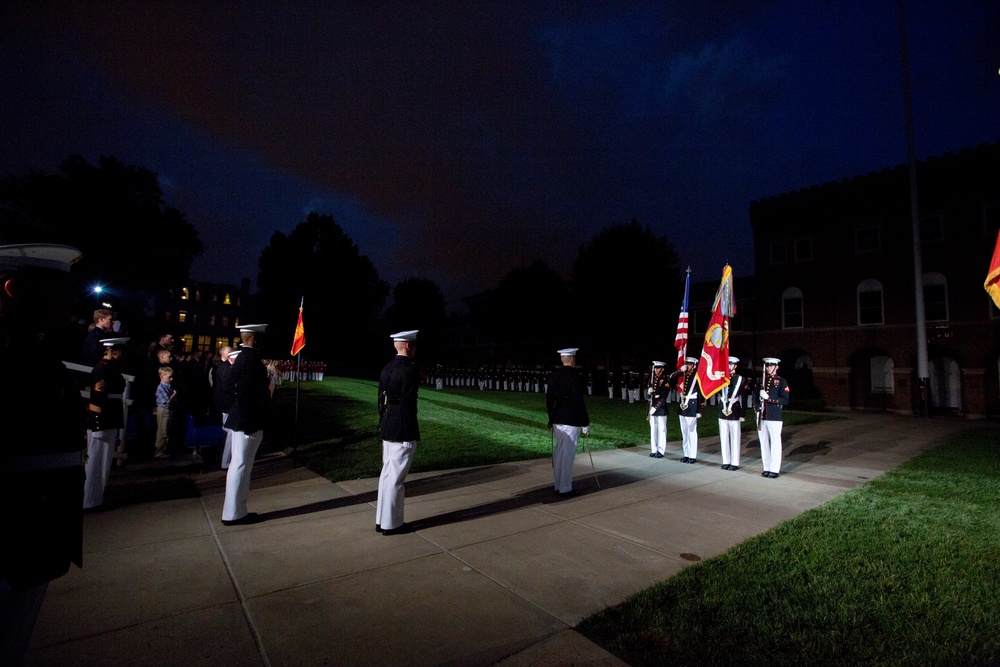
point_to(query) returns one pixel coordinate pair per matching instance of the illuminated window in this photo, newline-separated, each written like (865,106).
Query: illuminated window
(881,374)
(226,300)
(185,295)
(204,343)
(187,342)
(221,343)
(182,316)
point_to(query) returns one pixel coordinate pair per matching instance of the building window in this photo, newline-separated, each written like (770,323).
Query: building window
(204,343)
(187,343)
(168,316)
(791,308)
(215,298)
(931,229)
(221,343)
(935,297)
(867,239)
(197,295)
(882,377)
(225,321)
(779,252)
(226,300)
(870,305)
(803,250)
(211,320)
(182,316)
(185,294)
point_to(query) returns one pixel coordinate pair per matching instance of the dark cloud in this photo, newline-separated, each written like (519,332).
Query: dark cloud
(459,140)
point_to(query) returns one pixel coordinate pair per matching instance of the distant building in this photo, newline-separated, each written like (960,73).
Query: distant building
(203,316)
(834,287)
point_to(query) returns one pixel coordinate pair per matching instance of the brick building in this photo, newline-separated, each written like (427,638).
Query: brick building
(203,316)
(834,287)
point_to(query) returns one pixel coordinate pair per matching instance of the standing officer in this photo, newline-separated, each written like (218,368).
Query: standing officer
(567,417)
(691,403)
(41,469)
(249,387)
(105,420)
(731,416)
(770,397)
(659,391)
(397,413)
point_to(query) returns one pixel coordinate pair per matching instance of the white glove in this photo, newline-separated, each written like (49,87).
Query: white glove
(697,415)
(649,391)
(586,430)
(763,395)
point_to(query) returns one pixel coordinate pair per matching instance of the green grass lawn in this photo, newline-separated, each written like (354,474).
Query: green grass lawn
(904,570)
(337,433)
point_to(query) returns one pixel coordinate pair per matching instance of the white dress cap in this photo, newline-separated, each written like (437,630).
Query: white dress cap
(734,360)
(114,342)
(657,364)
(405,336)
(233,353)
(772,360)
(691,360)
(42,255)
(568,352)
(256,328)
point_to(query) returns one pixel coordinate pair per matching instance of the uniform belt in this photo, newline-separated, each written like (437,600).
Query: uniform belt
(43,462)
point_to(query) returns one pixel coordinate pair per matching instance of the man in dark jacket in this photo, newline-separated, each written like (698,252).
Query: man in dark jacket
(222,399)
(567,417)
(248,386)
(397,411)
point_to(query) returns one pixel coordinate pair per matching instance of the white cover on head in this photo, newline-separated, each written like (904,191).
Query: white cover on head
(568,351)
(405,336)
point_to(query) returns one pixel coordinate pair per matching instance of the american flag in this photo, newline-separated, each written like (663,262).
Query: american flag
(681,340)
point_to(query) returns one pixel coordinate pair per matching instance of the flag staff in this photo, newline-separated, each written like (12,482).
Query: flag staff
(298,342)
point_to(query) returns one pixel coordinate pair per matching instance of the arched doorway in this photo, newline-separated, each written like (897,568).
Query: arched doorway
(873,385)
(944,385)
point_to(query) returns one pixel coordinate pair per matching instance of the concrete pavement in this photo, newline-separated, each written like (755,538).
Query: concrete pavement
(498,571)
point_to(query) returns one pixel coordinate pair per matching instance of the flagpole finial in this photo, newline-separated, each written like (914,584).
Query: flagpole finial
(689,268)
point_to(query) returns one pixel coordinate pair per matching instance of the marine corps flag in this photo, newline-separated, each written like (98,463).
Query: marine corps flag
(299,341)
(992,284)
(713,369)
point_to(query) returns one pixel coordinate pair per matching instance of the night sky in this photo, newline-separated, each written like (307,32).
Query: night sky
(459,140)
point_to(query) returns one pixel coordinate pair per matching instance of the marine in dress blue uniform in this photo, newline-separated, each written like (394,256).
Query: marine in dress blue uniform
(397,410)
(770,397)
(567,418)
(659,392)
(248,384)
(105,420)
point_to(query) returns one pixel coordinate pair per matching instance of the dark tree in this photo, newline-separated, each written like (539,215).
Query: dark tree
(627,281)
(113,213)
(342,290)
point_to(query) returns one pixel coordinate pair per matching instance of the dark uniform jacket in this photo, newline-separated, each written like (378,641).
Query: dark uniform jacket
(737,389)
(248,387)
(104,410)
(222,400)
(564,398)
(777,391)
(658,398)
(686,383)
(397,400)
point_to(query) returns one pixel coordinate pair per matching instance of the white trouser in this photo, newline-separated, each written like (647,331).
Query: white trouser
(227,449)
(563,456)
(396,459)
(729,439)
(238,478)
(770,445)
(689,436)
(658,434)
(100,454)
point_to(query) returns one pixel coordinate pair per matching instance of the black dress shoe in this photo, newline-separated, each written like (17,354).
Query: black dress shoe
(652,455)
(378,528)
(691,461)
(765,474)
(659,456)
(401,529)
(568,494)
(251,517)
(734,467)
(727,467)
(772,475)
(685,460)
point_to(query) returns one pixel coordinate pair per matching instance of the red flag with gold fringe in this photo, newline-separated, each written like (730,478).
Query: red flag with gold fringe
(713,368)
(992,284)
(299,341)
